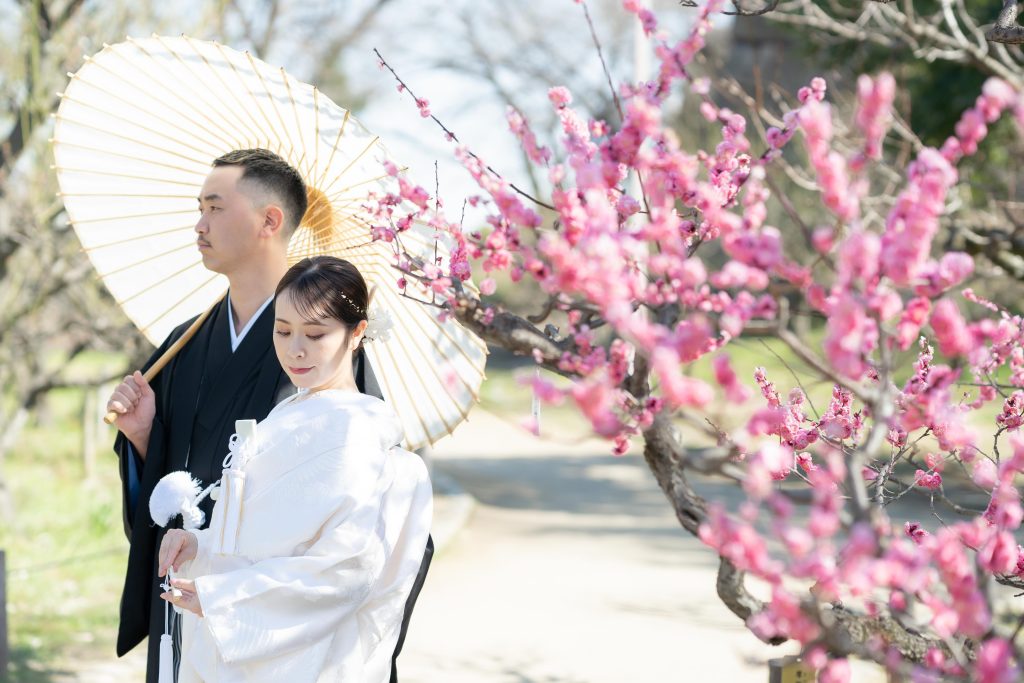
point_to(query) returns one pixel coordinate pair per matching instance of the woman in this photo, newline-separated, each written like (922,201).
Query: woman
(309,581)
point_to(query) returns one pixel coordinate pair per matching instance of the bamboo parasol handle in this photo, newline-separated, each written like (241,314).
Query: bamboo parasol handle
(170,353)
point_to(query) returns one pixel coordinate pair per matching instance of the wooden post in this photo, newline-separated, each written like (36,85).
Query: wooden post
(4,650)
(790,670)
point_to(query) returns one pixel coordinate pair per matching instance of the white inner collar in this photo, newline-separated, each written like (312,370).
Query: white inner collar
(236,339)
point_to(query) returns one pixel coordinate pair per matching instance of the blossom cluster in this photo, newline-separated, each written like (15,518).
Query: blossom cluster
(627,272)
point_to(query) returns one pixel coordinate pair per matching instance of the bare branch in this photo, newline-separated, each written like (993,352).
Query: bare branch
(1007,30)
(454,138)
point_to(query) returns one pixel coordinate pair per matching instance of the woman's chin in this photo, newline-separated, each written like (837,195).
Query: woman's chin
(302,381)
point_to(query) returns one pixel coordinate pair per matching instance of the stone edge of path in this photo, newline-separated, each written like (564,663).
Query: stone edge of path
(453,507)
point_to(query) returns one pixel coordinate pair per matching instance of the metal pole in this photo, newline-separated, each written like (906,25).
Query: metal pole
(4,650)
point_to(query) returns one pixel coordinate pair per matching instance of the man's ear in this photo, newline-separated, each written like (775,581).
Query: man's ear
(273,220)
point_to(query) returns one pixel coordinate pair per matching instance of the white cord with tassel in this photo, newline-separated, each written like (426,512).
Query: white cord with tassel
(166,670)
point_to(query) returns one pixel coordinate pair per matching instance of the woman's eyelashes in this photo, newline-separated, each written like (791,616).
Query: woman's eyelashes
(286,333)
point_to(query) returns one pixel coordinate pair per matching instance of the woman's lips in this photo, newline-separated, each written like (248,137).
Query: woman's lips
(298,371)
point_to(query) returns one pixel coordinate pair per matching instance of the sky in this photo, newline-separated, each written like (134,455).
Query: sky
(555,31)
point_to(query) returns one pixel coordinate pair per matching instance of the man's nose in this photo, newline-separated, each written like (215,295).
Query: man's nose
(201,225)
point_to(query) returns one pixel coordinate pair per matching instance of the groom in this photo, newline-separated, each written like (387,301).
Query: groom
(250,204)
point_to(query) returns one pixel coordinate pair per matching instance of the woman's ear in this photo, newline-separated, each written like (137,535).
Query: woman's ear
(357,335)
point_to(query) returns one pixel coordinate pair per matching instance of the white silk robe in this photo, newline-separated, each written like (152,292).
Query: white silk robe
(333,525)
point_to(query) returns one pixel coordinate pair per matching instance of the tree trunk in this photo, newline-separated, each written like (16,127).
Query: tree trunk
(11,431)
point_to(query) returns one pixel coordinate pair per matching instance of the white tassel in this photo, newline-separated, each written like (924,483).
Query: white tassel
(166,670)
(166,659)
(177,493)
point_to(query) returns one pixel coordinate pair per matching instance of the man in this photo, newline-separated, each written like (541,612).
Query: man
(250,204)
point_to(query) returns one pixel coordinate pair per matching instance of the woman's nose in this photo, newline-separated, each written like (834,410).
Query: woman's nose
(295,347)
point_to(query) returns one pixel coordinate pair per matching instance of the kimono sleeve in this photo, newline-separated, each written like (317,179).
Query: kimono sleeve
(157,439)
(279,604)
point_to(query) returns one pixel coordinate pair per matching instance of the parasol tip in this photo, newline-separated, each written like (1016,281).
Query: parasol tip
(59,94)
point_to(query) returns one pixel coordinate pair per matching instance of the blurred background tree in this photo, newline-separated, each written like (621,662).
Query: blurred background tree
(61,334)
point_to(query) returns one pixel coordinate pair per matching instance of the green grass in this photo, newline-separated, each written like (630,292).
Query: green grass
(64,542)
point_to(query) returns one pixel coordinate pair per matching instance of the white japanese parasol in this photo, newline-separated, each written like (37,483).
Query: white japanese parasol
(135,135)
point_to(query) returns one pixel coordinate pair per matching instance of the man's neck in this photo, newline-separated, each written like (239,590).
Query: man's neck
(250,290)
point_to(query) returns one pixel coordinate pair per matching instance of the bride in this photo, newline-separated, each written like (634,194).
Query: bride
(309,581)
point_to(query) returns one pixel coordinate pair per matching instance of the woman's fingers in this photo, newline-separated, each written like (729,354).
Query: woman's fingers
(169,550)
(188,599)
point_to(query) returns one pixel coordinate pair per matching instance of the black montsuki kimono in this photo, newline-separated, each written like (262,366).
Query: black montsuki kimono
(199,395)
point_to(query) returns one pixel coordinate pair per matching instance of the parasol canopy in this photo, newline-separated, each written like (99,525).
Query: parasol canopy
(137,130)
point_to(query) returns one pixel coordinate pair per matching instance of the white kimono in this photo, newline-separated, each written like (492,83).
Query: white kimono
(333,525)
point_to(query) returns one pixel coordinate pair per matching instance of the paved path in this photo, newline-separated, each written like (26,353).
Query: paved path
(571,569)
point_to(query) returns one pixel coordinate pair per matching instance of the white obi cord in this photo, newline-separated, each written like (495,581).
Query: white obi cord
(227,514)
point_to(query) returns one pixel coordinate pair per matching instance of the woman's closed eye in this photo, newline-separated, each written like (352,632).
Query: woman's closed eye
(286,333)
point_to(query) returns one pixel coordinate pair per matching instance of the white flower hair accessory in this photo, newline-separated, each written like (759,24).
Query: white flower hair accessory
(378,324)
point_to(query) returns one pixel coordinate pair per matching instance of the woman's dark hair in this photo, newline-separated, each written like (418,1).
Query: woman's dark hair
(326,287)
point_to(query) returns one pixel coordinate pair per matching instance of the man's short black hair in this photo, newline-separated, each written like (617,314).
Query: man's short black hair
(268,172)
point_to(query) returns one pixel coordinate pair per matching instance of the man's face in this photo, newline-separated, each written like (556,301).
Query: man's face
(229,225)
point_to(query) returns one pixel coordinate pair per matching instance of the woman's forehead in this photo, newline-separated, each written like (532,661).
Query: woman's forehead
(309,313)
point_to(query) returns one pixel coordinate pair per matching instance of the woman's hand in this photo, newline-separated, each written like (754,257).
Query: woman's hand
(178,546)
(187,598)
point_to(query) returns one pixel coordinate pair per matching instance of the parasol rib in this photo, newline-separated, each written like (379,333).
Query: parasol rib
(172,95)
(134,210)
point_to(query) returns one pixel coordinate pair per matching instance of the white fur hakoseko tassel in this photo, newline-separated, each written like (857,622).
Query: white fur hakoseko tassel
(177,494)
